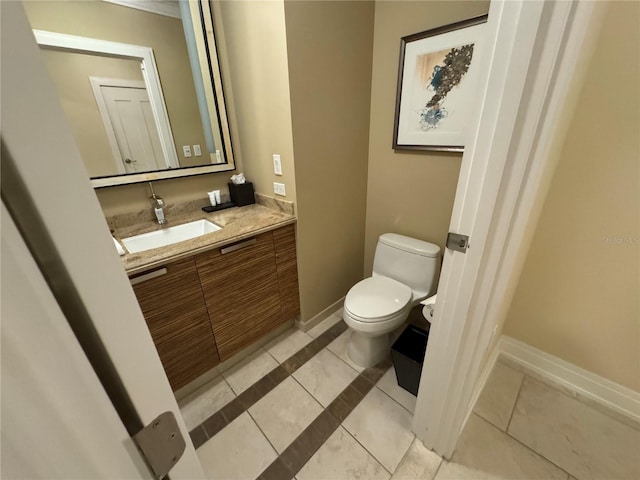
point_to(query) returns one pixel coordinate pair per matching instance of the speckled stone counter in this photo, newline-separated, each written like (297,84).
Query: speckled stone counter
(237,224)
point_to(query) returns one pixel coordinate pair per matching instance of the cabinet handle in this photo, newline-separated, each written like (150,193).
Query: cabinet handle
(148,276)
(238,246)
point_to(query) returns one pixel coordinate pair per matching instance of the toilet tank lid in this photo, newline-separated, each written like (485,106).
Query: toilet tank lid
(413,245)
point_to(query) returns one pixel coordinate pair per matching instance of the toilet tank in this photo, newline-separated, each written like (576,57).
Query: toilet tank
(410,261)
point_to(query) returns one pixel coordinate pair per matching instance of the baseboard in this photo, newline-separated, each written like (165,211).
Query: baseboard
(316,319)
(573,379)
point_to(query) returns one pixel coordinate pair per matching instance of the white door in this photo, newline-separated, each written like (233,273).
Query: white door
(49,197)
(52,399)
(532,55)
(131,120)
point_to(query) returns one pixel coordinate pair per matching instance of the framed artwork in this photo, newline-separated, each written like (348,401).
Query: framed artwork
(437,86)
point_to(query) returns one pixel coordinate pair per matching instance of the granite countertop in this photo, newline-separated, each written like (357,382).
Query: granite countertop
(237,224)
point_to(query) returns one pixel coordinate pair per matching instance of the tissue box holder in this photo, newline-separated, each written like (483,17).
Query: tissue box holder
(242,193)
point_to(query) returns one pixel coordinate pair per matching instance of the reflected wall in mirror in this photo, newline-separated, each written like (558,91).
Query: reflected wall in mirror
(137,86)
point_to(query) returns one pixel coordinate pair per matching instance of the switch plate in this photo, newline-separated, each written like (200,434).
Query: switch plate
(278,189)
(186,149)
(277,165)
(197,151)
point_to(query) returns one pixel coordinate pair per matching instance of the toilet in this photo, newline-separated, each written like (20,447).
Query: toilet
(405,272)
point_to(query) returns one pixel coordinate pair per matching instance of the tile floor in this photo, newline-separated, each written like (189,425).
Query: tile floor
(298,408)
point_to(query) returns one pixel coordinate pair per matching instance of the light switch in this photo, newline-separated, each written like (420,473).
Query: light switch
(197,151)
(277,165)
(186,149)
(278,189)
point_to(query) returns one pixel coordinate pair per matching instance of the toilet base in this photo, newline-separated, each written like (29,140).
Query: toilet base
(366,350)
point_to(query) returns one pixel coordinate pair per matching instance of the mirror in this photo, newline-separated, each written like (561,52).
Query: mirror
(140,85)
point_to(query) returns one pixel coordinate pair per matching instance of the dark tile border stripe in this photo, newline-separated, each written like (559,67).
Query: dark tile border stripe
(298,453)
(255,392)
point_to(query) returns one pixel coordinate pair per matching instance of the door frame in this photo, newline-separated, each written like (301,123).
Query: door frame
(96,83)
(75,43)
(535,54)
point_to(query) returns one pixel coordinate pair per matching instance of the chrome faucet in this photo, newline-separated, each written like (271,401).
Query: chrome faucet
(158,206)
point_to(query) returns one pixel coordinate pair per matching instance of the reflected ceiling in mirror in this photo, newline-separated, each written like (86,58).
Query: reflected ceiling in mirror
(137,87)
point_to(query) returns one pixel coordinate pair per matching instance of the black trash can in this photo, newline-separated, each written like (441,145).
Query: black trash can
(408,357)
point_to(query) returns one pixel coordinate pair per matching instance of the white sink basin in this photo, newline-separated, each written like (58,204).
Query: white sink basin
(167,236)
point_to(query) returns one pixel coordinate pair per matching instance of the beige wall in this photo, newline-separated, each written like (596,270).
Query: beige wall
(578,294)
(253,35)
(70,73)
(408,193)
(107,21)
(330,51)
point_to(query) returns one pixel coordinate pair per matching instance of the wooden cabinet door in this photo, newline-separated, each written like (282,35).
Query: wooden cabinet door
(284,240)
(173,306)
(240,286)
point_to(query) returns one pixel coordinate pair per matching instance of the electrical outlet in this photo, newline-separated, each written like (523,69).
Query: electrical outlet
(186,149)
(277,165)
(197,151)
(278,189)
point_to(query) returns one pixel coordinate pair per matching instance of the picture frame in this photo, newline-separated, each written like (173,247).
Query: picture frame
(437,75)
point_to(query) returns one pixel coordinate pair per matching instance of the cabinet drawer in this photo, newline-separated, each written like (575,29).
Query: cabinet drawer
(241,292)
(171,300)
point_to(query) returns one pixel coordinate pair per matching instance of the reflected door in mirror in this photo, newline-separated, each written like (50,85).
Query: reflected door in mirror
(130,118)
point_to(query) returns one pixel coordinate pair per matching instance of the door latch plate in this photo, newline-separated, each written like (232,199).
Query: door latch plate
(457,242)
(161,444)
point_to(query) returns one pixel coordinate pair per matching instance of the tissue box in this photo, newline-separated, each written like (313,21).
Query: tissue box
(242,194)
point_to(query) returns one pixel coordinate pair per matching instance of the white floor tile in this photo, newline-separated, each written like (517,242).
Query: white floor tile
(341,457)
(339,347)
(325,376)
(485,452)
(204,402)
(383,427)
(324,325)
(287,344)
(389,384)
(419,463)
(499,395)
(250,370)
(239,451)
(284,413)
(581,440)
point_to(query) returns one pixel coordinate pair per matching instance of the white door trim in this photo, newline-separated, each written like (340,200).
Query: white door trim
(532,53)
(96,83)
(149,69)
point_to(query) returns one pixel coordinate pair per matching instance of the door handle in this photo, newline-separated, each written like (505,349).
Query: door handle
(128,160)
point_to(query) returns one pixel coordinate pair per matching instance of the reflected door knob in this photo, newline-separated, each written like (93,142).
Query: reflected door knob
(128,160)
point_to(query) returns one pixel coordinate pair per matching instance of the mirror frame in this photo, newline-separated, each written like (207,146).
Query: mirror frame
(144,55)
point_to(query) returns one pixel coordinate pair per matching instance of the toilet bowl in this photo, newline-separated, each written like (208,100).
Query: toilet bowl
(404,273)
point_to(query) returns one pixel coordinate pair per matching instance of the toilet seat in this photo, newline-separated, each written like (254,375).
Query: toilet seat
(377,299)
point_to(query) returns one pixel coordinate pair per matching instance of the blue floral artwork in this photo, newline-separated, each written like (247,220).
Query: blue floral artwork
(441,72)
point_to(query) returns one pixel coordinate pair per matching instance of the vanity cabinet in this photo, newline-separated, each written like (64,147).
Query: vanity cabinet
(284,241)
(173,306)
(240,286)
(203,309)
